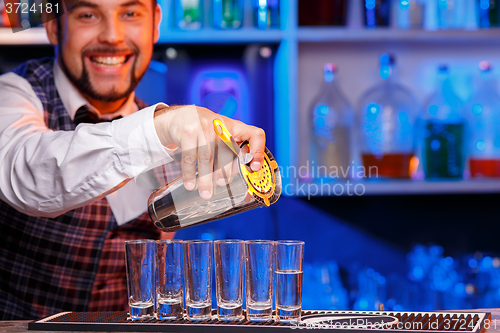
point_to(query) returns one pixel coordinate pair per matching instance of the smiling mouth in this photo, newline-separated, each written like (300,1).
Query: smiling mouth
(110,62)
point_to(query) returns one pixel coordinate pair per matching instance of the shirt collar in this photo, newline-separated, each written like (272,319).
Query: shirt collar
(72,99)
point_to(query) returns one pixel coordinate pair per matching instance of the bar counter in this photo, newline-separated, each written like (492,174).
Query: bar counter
(22,325)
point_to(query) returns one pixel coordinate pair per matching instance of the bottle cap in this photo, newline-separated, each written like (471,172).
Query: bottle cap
(485,66)
(330,67)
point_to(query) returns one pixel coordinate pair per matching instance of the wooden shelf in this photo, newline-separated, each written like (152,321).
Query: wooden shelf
(334,34)
(398,187)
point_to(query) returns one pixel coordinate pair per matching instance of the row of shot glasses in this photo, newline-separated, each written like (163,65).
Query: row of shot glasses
(158,272)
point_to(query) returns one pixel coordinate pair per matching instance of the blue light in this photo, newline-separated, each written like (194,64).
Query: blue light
(460,288)
(373,108)
(370,4)
(449,261)
(484,4)
(319,121)
(328,76)
(443,4)
(207,236)
(480,145)
(363,304)
(435,145)
(477,109)
(322,110)
(403,117)
(418,272)
(472,263)
(404,4)
(487,262)
(433,109)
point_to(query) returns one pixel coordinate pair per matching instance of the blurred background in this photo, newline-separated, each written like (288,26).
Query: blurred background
(384,117)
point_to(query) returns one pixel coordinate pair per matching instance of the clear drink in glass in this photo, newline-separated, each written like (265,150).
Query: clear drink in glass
(288,258)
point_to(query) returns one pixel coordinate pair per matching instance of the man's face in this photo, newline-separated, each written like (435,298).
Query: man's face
(106,45)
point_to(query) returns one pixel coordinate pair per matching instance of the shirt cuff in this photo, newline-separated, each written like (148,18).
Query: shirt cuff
(136,142)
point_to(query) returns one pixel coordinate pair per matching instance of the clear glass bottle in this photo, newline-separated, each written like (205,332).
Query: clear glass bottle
(483,114)
(188,14)
(227,14)
(332,118)
(408,14)
(443,129)
(266,14)
(387,115)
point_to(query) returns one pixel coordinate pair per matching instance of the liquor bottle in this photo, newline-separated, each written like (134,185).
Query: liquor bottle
(387,114)
(227,14)
(331,116)
(489,13)
(266,14)
(409,14)
(483,114)
(377,13)
(323,12)
(188,14)
(443,131)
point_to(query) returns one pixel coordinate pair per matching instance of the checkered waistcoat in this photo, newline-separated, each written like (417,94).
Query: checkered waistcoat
(74,262)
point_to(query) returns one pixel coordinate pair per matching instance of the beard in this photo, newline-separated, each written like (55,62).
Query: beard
(84,85)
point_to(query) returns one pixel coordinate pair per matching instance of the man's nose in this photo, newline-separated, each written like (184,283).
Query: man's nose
(112,32)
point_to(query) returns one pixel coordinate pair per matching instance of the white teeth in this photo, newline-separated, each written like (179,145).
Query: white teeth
(109,61)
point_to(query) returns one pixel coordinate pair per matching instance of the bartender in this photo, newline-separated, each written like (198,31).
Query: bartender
(72,137)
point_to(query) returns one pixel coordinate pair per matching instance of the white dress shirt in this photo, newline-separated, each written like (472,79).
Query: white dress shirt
(47,173)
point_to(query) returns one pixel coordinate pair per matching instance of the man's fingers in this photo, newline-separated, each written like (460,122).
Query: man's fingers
(257,141)
(225,157)
(189,154)
(205,167)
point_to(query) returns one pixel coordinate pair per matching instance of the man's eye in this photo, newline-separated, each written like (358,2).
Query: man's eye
(132,14)
(87,16)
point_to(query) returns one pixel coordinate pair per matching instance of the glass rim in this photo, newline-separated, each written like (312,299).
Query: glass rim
(228,241)
(259,241)
(197,241)
(289,242)
(166,241)
(139,241)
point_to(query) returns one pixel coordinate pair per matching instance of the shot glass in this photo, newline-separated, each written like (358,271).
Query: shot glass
(139,261)
(198,279)
(288,256)
(259,256)
(169,294)
(229,279)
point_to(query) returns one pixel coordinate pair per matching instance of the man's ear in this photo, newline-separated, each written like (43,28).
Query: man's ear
(51,28)
(156,32)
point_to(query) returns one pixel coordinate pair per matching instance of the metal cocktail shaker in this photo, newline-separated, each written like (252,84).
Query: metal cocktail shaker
(172,207)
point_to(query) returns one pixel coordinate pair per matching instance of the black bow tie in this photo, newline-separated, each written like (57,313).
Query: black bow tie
(86,115)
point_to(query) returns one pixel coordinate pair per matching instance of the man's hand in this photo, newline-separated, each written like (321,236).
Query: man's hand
(191,129)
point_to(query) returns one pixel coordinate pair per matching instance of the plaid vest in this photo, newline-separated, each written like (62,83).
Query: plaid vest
(74,262)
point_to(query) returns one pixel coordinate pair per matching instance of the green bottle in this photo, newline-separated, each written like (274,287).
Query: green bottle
(443,143)
(188,14)
(228,14)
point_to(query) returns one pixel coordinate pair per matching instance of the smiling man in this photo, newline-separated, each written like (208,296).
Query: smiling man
(72,137)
